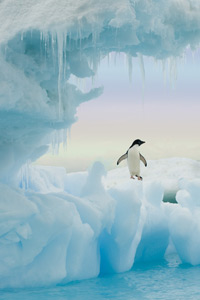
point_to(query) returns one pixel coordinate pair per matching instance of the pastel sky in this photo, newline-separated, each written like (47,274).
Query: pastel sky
(161,107)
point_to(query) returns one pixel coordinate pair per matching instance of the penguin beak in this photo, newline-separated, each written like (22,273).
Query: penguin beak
(142,142)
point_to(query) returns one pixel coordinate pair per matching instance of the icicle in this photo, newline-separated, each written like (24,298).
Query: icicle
(70,40)
(79,35)
(65,55)
(164,71)
(46,41)
(55,142)
(64,137)
(173,71)
(53,43)
(142,69)
(41,36)
(25,176)
(95,35)
(46,45)
(124,59)
(130,66)
(108,59)
(41,44)
(115,58)
(22,36)
(60,45)
(59,138)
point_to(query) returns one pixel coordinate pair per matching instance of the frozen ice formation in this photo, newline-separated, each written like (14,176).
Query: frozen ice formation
(56,227)
(60,227)
(147,26)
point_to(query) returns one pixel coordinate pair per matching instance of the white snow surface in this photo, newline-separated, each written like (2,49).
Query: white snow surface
(58,227)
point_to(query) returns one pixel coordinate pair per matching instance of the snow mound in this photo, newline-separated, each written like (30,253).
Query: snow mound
(168,171)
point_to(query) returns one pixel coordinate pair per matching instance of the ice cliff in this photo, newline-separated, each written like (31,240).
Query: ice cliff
(54,227)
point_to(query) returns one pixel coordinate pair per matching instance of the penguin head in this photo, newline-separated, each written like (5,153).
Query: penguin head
(137,142)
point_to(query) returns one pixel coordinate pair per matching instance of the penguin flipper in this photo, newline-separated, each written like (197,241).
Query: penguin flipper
(124,156)
(143,160)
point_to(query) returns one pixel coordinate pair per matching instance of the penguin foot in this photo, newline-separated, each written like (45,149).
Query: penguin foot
(140,178)
(132,177)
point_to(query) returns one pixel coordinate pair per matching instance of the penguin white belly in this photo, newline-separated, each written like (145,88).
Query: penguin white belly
(134,161)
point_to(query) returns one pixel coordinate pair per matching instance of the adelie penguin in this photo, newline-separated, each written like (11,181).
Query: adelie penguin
(133,158)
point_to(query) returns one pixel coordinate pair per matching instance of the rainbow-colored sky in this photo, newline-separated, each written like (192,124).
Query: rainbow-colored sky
(159,104)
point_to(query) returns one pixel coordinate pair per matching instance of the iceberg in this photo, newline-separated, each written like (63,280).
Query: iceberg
(58,227)
(61,227)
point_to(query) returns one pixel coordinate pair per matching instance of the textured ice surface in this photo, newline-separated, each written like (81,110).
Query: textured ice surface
(147,25)
(168,171)
(61,227)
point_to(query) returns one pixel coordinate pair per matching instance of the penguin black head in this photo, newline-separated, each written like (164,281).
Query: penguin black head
(137,142)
